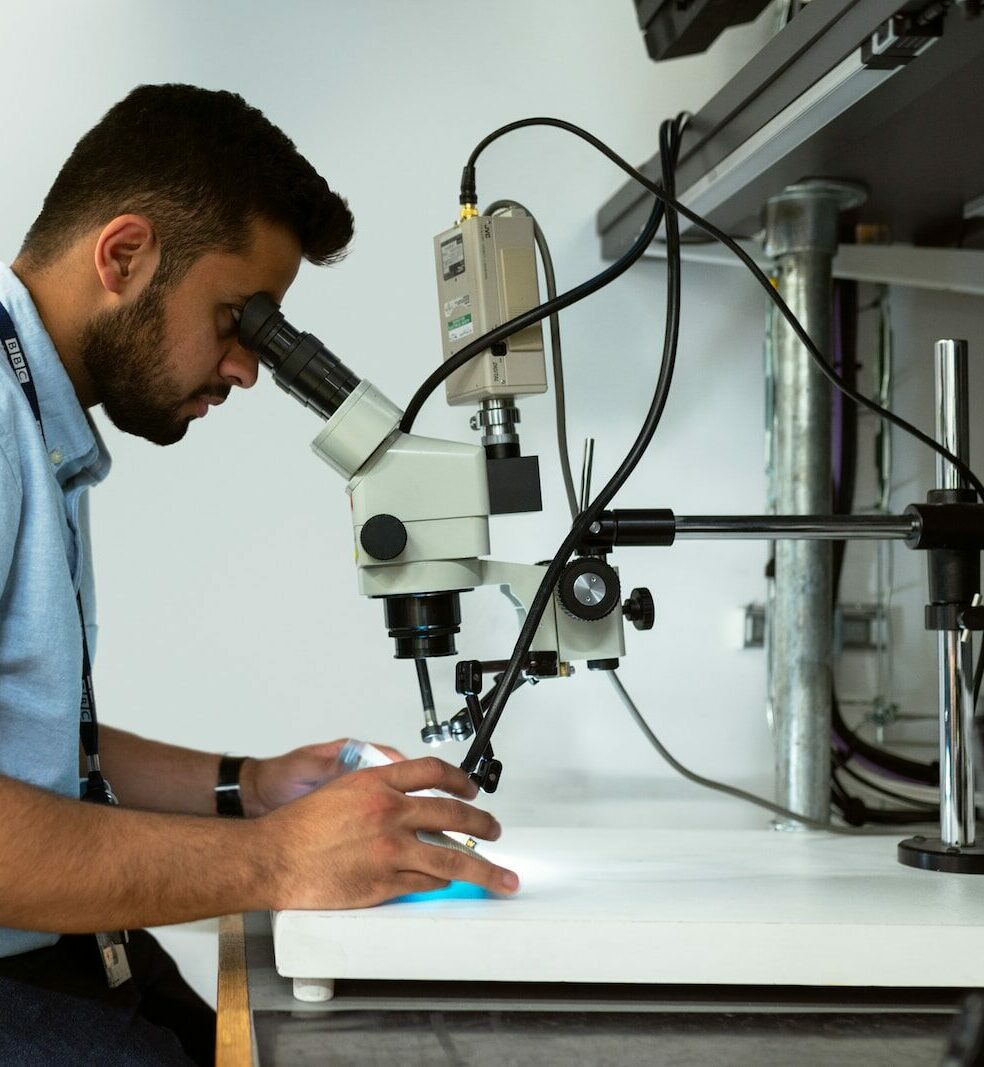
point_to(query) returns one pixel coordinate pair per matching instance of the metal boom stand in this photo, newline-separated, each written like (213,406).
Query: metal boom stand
(949,527)
(954,581)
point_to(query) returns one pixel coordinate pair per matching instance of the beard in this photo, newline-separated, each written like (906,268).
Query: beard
(125,354)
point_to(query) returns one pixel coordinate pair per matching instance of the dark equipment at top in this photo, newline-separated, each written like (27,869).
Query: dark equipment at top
(674,28)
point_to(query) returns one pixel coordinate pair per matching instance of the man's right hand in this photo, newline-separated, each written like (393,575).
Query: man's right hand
(353,843)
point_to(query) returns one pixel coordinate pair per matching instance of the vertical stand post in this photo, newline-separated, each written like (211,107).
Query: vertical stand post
(801,233)
(954,578)
(956,670)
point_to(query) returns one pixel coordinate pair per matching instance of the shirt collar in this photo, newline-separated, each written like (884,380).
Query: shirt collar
(74,444)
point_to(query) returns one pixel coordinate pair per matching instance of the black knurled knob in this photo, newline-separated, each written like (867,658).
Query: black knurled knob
(640,609)
(383,536)
(588,589)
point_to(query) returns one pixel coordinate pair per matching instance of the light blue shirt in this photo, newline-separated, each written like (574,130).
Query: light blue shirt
(45,560)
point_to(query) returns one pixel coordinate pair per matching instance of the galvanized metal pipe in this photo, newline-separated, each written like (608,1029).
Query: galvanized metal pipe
(956,650)
(801,234)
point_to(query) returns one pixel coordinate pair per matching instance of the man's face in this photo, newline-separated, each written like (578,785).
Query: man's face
(164,359)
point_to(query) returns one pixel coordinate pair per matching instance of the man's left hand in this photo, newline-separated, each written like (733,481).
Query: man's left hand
(266,784)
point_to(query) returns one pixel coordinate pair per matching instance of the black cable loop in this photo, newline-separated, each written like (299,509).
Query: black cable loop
(670,135)
(468,189)
(595,507)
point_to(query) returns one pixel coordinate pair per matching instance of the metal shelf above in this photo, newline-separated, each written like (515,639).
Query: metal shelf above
(950,270)
(807,106)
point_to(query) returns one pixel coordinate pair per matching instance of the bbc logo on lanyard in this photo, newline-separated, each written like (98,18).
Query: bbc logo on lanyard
(16,358)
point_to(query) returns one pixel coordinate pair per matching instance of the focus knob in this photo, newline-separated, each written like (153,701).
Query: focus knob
(588,589)
(383,536)
(640,609)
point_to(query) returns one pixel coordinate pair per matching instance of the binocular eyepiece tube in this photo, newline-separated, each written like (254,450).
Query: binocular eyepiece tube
(301,364)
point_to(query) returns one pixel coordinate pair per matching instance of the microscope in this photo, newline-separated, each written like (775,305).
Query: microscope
(421,506)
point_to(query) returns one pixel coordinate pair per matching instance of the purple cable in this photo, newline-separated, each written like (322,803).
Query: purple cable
(845,749)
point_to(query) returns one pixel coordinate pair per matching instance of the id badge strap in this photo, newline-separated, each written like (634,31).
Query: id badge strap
(112,945)
(112,953)
(19,365)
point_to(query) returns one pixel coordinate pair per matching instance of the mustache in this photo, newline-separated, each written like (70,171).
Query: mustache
(221,391)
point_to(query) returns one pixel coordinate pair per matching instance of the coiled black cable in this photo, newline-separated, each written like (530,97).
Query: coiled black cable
(528,318)
(670,136)
(469,195)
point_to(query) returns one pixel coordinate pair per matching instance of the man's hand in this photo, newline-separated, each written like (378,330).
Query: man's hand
(266,784)
(353,843)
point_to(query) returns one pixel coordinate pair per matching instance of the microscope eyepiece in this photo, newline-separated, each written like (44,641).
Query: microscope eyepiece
(300,363)
(258,320)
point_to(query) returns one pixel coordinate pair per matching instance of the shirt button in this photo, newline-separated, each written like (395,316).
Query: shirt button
(56,456)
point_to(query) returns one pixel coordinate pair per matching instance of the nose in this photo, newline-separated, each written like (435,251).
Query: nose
(239,367)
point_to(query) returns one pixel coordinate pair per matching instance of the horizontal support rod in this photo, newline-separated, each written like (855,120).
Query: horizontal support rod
(797,527)
(653,527)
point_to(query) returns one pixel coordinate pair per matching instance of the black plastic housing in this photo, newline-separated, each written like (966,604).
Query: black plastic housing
(423,625)
(514,483)
(683,27)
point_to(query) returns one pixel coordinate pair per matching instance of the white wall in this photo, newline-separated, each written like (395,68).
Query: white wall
(229,617)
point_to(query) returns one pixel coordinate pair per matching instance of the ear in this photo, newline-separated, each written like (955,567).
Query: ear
(126,255)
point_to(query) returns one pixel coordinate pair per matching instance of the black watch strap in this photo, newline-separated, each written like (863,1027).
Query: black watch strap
(228,799)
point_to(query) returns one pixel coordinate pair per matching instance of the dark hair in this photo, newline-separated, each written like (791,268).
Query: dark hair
(201,165)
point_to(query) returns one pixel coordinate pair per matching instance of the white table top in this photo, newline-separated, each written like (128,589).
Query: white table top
(645,905)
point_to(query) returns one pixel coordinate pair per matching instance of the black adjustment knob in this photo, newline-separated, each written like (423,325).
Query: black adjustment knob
(588,589)
(640,609)
(383,536)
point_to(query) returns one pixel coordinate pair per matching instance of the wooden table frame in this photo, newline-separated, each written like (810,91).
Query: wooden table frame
(234,1045)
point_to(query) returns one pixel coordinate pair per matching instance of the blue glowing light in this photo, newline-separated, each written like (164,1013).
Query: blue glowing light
(453,891)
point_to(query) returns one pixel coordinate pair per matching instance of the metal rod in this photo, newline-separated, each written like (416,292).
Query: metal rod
(426,693)
(586,469)
(957,815)
(796,527)
(952,409)
(956,650)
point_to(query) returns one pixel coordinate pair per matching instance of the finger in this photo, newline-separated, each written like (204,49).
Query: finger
(455,866)
(415,882)
(437,814)
(429,773)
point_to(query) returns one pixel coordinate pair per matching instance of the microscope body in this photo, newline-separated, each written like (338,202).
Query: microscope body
(420,520)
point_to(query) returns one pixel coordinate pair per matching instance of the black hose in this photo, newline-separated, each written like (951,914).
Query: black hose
(670,140)
(528,318)
(468,195)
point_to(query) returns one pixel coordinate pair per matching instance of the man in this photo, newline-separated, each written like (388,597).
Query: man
(167,216)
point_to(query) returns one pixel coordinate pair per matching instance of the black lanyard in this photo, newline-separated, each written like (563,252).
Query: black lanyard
(96,788)
(112,945)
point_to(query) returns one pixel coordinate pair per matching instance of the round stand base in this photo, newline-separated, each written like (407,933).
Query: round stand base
(931,854)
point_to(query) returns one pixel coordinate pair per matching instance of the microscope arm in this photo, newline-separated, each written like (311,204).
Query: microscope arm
(656,527)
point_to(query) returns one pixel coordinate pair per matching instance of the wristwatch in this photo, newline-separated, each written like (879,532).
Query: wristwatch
(228,798)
